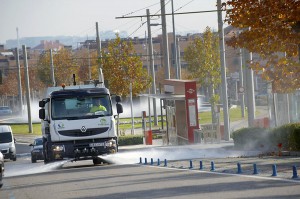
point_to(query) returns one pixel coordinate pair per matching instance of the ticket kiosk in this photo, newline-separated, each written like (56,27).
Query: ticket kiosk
(180,103)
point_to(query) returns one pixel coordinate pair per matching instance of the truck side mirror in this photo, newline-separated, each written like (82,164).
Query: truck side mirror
(42,114)
(119,108)
(118,98)
(42,104)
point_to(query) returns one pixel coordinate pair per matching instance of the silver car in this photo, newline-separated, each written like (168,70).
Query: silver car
(5,110)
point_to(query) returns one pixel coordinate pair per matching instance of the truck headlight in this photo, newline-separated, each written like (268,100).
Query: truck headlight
(58,148)
(111,143)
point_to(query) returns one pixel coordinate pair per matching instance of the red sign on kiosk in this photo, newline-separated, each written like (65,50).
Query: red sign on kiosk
(192,109)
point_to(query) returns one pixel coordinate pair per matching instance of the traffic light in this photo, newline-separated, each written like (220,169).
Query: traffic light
(229,102)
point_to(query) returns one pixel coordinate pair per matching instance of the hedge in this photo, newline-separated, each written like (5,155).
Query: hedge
(130,140)
(287,137)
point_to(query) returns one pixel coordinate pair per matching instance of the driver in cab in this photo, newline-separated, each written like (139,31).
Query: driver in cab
(97,106)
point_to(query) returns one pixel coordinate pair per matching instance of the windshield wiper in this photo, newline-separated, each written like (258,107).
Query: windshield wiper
(73,118)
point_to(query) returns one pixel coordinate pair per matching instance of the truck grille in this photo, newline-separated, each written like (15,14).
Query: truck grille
(88,132)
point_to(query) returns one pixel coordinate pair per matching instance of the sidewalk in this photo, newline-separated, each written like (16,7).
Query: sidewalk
(268,166)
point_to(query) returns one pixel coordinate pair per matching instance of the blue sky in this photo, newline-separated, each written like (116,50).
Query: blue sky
(77,17)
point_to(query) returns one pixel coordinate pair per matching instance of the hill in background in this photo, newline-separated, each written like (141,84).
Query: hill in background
(66,40)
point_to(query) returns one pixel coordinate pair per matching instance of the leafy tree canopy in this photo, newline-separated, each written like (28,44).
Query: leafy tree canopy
(64,67)
(268,28)
(121,66)
(203,58)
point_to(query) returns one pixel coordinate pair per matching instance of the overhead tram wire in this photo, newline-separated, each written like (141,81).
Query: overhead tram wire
(178,13)
(140,9)
(137,29)
(184,5)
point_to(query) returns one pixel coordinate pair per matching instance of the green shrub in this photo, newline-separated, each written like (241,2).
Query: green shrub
(130,140)
(268,139)
(252,139)
(288,135)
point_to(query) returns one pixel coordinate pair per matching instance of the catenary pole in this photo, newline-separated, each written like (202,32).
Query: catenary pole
(250,90)
(19,81)
(175,59)
(178,57)
(27,88)
(149,90)
(241,77)
(98,40)
(150,50)
(52,69)
(165,39)
(223,73)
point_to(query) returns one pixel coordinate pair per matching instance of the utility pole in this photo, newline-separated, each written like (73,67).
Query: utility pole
(223,74)
(175,45)
(19,81)
(165,39)
(89,61)
(250,90)
(149,90)
(241,89)
(27,88)
(150,50)
(98,45)
(179,61)
(131,109)
(52,68)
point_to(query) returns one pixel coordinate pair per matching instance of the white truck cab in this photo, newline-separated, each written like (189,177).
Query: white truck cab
(72,128)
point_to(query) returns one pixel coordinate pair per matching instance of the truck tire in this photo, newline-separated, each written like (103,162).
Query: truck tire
(48,157)
(97,160)
(33,160)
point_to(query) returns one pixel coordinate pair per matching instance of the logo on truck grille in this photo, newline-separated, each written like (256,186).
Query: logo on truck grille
(83,129)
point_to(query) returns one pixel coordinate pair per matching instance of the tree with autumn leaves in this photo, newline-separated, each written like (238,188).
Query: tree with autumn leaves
(122,66)
(272,30)
(64,66)
(203,59)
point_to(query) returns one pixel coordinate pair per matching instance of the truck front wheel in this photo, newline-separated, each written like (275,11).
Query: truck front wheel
(48,157)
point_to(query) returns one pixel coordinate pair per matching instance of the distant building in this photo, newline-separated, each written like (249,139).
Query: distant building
(46,45)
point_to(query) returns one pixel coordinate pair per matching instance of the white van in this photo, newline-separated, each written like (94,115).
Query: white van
(7,143)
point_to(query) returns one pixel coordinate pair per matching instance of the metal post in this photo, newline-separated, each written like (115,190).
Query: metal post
(165,39)
(152,66)
(149,90)
(175,44)
(223,74)
(178,57)
(52,69)
(250,91)
(89,60)
(98,44)
(19,81)
(288,108)
(242,100)
(131,109)
(27,88)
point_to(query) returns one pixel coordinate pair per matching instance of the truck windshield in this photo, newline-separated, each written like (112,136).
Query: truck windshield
(80,107)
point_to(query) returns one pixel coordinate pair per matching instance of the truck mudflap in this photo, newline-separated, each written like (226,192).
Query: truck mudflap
(84,149)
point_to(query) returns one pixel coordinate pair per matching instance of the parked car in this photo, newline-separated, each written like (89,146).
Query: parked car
(5,110)
(1,169)
(7,143)
(37,150)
